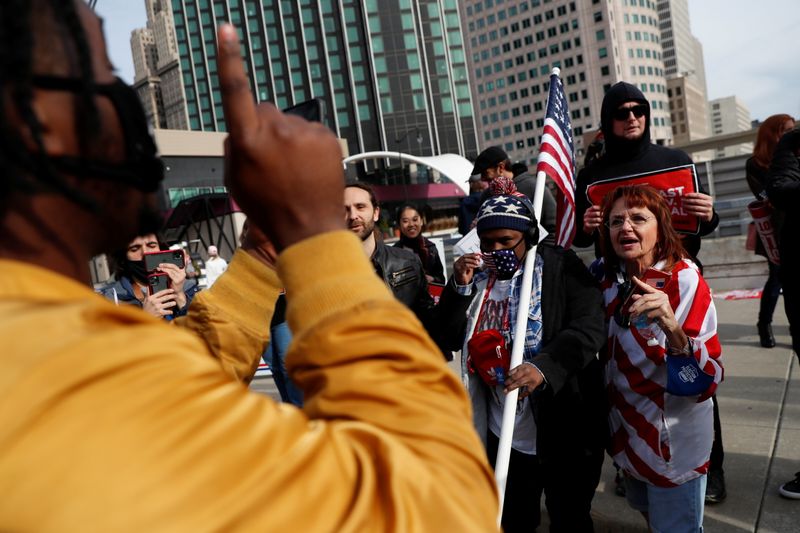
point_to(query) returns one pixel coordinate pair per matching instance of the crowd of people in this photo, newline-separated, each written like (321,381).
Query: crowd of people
(132,412)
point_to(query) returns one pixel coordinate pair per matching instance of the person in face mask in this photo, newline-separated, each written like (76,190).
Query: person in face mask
(131,286)
(560,427)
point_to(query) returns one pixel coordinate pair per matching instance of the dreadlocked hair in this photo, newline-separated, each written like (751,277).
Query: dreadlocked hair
(35,34)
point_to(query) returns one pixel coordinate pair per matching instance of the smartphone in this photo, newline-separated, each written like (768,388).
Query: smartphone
(656,278)
(312,110)
(627,299)
(173,257)
(158,282)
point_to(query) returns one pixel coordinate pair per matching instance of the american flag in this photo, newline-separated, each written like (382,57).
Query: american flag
(557,159)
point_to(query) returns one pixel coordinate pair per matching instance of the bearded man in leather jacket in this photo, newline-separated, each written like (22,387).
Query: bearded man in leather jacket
(400,269)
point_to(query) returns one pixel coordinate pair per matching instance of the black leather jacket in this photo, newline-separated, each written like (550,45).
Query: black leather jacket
(402,271)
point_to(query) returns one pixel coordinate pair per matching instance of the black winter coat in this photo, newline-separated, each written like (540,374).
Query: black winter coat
(783,190)
(402,271)
(571,410)
(624,158)
(432,264)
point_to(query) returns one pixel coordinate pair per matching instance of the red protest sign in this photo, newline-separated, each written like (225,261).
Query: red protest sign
(672,183)
(761,212)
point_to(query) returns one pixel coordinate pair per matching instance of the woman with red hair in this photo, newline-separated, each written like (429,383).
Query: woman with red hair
(662,360)
(769,133)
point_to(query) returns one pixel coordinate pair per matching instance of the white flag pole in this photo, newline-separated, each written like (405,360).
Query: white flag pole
(520,327)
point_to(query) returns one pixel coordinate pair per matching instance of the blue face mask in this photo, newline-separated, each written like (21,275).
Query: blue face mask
(502,263)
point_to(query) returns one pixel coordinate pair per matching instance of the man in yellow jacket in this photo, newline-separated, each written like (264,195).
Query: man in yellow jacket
(112,420)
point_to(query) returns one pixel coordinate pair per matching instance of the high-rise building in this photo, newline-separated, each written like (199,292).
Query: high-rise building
(514,46)
(391,72)
(683,53)
(157,77)
(146,81)
(685,71)
(730,115)
(688,112)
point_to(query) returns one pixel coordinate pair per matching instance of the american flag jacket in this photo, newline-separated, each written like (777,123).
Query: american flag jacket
(658,435)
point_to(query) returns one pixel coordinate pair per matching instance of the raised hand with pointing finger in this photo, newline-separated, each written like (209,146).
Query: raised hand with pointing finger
(654,304)
(267,159)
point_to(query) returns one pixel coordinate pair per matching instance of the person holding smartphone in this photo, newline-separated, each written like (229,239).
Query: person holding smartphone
(625,124)
(134,284)
(662,360)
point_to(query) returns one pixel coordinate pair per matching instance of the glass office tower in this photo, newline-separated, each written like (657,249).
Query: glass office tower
(392,73)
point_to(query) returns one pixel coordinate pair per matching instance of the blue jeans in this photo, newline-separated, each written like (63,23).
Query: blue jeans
(670,510)
(280,337)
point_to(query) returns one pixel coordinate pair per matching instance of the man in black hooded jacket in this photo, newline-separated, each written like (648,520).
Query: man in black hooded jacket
(625,123)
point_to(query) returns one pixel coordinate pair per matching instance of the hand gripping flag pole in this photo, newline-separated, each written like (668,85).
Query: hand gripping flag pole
(557,107)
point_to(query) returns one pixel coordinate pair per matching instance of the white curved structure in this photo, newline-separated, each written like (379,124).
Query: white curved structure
(455,168)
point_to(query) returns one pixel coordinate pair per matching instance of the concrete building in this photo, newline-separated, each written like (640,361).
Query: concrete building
(146,82)
(688,109)
(685,71)
(683,53)
(157,75)
(514,46)
(730,115)
(392,74)
(143,48)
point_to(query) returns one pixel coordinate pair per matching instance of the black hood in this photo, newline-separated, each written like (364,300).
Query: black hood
(621,93)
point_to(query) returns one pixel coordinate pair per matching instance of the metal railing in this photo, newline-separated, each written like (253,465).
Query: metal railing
(725,180)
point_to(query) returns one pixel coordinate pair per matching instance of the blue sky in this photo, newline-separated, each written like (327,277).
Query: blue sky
(120,17)
(751,49)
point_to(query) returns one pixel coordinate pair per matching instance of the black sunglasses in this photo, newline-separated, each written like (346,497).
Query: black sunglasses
(623,112)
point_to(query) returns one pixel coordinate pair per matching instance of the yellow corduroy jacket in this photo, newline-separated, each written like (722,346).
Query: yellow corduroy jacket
(114,421)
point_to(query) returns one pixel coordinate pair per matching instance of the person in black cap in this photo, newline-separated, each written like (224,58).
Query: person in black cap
(625,124)
(493,163)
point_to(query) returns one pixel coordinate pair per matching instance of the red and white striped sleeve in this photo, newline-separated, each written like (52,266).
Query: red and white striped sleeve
(694,310)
